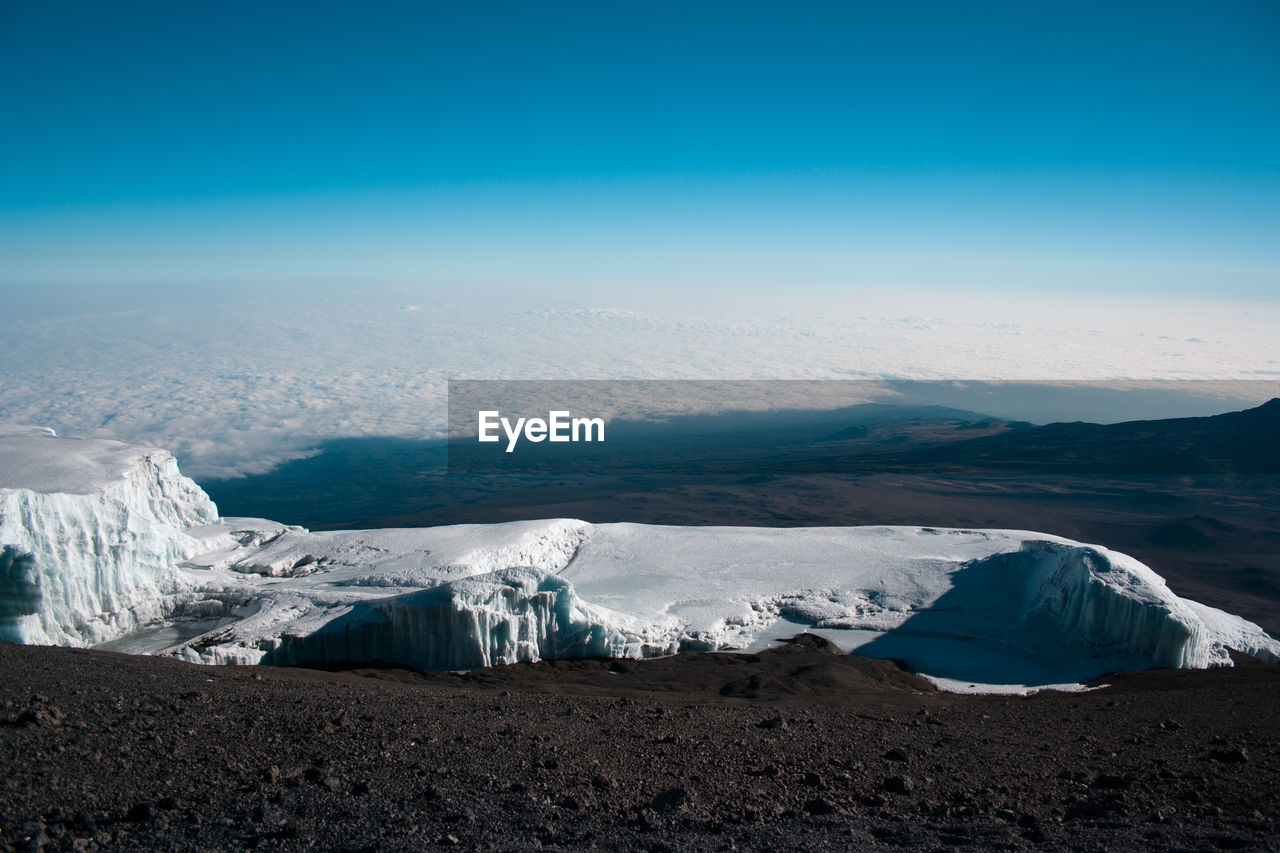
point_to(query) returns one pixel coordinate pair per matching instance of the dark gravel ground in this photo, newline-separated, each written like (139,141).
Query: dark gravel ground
(795,749)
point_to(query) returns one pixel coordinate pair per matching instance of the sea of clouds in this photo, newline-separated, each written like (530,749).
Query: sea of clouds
(240,384)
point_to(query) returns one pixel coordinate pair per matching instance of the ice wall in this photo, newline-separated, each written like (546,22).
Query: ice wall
(88,556)
(1105,602)
(508,616)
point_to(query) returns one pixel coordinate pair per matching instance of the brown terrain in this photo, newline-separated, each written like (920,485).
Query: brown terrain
(798,748)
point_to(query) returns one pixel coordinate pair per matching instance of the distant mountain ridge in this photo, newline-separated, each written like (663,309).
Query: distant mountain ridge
(1242,442)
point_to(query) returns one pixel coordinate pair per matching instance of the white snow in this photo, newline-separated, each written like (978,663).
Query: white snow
(129,543)
(90,535)
(951,685)
(510,615)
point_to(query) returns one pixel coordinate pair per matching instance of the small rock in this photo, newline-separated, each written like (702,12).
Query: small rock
(896,755)
(40,716)
(1110,782)
(1238,755)
(33,836)
(819,806)
(772,723)
(670,800)
(898,785)
(141,813)
(812,779)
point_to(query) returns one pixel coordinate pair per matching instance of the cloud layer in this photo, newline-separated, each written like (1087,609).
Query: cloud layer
(241,385)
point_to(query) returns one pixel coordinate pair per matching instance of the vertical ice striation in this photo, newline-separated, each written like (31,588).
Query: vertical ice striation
(91,533)
(1108,604)
(514,615)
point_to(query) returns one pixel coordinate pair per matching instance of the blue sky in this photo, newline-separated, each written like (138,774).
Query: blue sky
(1068,147)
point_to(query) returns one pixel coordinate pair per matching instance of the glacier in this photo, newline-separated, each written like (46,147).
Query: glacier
(518,614)
(104,543)
(91,533)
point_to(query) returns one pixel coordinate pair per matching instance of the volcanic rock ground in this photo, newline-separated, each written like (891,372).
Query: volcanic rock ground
(797,748)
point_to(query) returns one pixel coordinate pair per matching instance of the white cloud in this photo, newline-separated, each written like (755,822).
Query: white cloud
(245,385)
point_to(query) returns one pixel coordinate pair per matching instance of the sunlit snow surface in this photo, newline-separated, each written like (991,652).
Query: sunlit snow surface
(131,546)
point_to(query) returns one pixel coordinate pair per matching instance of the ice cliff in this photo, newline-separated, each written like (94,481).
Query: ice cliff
(98,539)
(507,616)
(91,533)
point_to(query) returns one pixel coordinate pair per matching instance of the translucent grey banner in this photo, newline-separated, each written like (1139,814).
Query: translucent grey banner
(692,427)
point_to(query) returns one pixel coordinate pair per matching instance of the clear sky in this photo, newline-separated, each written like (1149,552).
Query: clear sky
(1069,147)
